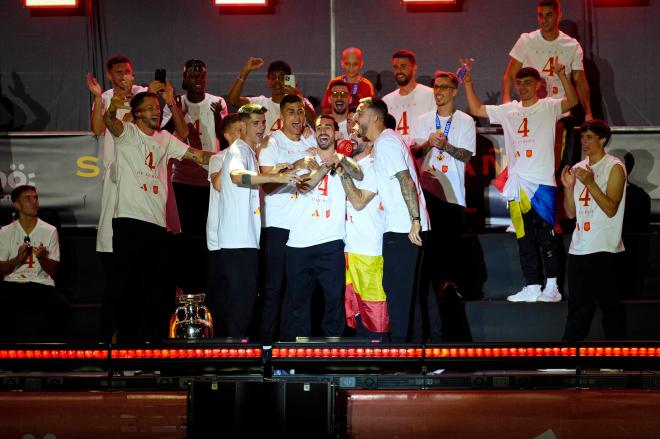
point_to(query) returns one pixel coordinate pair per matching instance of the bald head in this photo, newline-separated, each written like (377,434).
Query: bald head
(351,62)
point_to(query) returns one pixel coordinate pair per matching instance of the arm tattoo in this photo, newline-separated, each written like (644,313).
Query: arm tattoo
(352,168)
(353,194)
(246,179)
(409,192)
(458,153)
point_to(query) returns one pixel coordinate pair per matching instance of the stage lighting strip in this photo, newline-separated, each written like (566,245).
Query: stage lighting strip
(53,354)
(499,352)
(619,351)
(343,353)
(186,354)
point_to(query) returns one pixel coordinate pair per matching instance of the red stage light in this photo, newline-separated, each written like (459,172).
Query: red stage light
(52,3)
(429,2)
(241,2)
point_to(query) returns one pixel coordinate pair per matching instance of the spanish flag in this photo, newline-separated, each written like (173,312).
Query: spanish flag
(364,292)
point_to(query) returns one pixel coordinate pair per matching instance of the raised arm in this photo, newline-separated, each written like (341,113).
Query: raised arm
(571,99)
(584,94)
(476,107)
(96,118)
(410,196)
(114,125)
(359,198)
(510,78)
(234,96)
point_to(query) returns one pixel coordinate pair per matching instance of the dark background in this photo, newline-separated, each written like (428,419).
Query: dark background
(43,60)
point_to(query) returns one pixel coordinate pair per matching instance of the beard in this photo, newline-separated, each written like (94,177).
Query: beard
(402,81)
(342,109)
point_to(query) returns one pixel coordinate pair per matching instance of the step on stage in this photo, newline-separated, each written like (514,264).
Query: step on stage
(336,388)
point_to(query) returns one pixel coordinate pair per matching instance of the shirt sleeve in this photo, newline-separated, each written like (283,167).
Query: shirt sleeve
(5,253)
(369,182)
(54,246)
(390,156)
(215,164)
(176,149)
(268,154)
(468,139)
(577,63)
(127,134)
(495,113)
(519,50)
(235,162)
(555,106)
(420,132)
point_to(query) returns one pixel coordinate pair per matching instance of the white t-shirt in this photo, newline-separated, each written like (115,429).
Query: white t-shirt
(393,156)
(594,230)
(439,165)
(280,149)
(212,239)
(273,121)
(406,109)
(142,183)
(201,128)
(12,236)
(239,215)
(319,216)
(343,130)
(532,50)
(364,228)
(529,140)
(107,157)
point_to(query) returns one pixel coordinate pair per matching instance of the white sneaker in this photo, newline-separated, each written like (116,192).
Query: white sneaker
(551,294)
(530,293)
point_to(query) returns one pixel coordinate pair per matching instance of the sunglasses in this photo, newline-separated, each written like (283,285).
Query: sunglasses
(339,94)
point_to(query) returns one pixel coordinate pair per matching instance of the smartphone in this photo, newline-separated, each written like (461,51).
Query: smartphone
(160,75)
(290,80)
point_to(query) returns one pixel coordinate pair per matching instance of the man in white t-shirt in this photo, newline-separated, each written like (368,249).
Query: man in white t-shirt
(529,133)
(29,257)
(542,49)
(283,146)
(315,248)
(119,72)
(233,269)
(365,299)
(202,112)
(449,142)
(596,198)
(411,99)
(340,101)
(277,70)
(139,224)
(405,218)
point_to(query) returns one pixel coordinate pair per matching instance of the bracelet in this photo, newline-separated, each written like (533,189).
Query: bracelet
(415,218)
(239,78)
(170,106)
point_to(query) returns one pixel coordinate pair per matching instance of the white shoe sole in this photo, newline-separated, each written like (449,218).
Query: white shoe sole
(553,299)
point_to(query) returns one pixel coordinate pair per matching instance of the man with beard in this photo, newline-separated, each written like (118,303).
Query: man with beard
(119,72)
(233,269)
(359,86)
(365,300)
(139,233)
(411,99)
(405,218)
(283,146)
(340,101)
(529,133)
(315,248)
(277,70)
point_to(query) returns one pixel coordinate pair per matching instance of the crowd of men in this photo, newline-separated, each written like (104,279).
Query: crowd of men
(363,202)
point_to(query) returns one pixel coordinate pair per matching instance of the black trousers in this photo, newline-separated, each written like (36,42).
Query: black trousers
(400,263)
(189,253)
(232,290)
(592,280)
(273,245)
(109,306)
(32,297)
(146,301)
(539,238)
(324,263)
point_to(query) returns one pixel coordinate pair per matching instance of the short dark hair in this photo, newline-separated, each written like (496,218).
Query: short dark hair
(138,99)
(290,99)
(117,59)
(279,66)
(329,117)
(18,190)
(380,108)
(527,72)
(599,127)
(194,65)
(338,82)
(552,3)
(246,110)
(451,76)
(228,121)
(390,122)
(405,54)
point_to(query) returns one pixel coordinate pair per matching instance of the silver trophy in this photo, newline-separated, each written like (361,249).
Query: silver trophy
(191,319)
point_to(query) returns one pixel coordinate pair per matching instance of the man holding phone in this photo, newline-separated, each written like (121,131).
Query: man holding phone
(279,86)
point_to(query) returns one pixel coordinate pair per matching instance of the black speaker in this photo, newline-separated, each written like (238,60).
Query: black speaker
(223,409)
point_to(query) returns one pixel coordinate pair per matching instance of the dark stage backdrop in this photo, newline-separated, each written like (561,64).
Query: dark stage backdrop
(43,59)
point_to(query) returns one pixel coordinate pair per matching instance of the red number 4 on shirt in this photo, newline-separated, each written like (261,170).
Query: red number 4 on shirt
(522,128)
(149,161)
(549,67)
(403,124)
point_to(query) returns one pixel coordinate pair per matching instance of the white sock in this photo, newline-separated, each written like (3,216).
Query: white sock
(551,284)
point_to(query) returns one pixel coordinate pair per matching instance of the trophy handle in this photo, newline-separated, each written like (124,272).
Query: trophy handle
(207,314)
